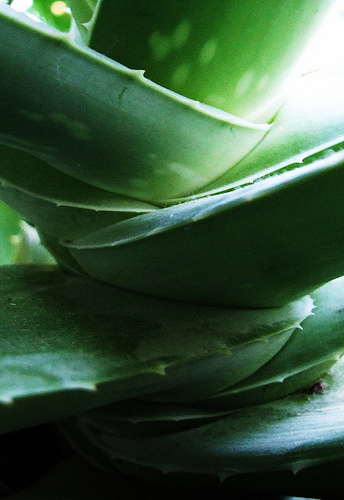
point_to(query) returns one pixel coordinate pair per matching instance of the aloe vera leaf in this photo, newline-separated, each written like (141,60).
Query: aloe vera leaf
(288,434)
(307,356)
(240,397)
(45,182)
(84,14)
(59,221)
(30,249)
(259,246)
(55,202)
(236,56)
(309,122)
(320,340)
(240,487)
(71,339)
(199,378)
(299,362)
(101,122)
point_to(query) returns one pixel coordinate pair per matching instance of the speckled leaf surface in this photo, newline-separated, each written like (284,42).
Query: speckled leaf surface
(101,122)
(249,57)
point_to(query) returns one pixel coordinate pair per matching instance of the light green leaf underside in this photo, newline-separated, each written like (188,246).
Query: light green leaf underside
(259,246)
(64,333)
(57,203)
(309,122)
(84,14)
(101,122)
(308,352)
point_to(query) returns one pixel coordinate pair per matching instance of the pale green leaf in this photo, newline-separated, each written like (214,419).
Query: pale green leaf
(235,56)
(101,122)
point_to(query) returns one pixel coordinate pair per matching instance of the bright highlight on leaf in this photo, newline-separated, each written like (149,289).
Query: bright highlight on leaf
(58,8)
(21,5)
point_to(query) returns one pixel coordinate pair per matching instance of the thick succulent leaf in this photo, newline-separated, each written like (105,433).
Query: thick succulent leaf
(308,353)
(240,397)
(320,348)
(321,480)
(58,204)
(249,48)
(101,122)
(45,182)
(310,122)
(259,246)
(64,335)
(287,434)
(205,376)
(85,15)
(302,351)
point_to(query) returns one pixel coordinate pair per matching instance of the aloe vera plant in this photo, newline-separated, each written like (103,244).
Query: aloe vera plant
(192,332)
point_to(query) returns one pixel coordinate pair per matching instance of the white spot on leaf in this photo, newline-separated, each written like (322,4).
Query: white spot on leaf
(244,83)
(181,34)
(160,45)
(180,75)
(207,52)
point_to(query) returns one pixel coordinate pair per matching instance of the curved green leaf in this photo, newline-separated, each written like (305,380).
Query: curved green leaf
(310,122)
(259,246)
(55,202)
(101,122)
(236,56)
(288,434)
(64,335)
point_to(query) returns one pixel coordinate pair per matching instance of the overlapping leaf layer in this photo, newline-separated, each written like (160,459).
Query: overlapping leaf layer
(198,245)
